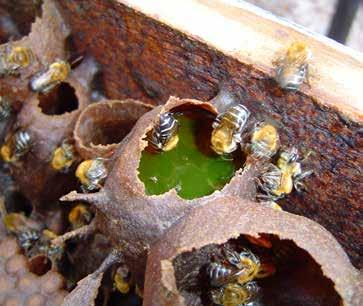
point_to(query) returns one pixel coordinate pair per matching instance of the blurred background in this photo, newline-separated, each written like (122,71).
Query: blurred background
(341,20)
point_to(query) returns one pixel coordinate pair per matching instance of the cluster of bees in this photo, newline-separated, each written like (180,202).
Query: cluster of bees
(233,279)
(277,179)
(19,143)
(35,240)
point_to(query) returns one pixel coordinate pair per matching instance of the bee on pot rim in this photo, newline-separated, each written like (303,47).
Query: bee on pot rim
(164,135)
(227,129)
(46,80)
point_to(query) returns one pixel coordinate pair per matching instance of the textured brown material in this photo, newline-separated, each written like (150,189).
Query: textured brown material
(145,59)
(134,220)
(47,40)
(225,218)
(33,173)
(18,286)
(16,18)
(101,127)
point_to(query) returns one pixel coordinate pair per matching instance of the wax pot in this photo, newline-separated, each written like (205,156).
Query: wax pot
(124,193)
(301,250)
(192,168)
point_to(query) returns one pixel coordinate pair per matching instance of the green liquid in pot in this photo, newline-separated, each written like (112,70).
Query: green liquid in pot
(193,170)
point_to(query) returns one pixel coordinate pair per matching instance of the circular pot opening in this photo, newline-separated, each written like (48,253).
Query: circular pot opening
(104,124)
(60,100)
(294,277)
(191,167)
(39,264)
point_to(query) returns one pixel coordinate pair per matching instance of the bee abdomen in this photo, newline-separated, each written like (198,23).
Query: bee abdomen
(165,130)
(22,142)
(216,272)
(5,109)
(96,173)
(237,116)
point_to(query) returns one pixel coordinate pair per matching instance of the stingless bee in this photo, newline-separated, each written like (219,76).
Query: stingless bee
(280,179)
(15,58)
(91,173)
(45,80)
(28,238)
(121,280)
(16,146)
(292,69)
(165,134)
(240,267)
(63,157)
(5,108)
(227,129)
(265,141)
(235,294)
(79,216)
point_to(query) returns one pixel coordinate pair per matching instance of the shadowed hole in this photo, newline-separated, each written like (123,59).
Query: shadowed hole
(39,264)
(106,124)
(60,100)
(298,279)
(16,202)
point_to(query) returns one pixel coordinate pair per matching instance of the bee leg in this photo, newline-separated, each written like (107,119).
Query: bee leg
(79,232)
(298,184)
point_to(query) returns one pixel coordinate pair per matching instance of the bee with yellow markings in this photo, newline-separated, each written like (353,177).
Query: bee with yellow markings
(63,157)
(165,134)
(280,179)
(292,69)
(235,294)
(5,108)
(265,141)
(16,146)
(91,173)
(227,129)
(46,80)
(79,216)
(121,280)
(15,58)
(239,267)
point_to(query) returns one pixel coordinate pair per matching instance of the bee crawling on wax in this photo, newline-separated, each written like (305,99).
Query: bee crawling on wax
(227,129)
(16,146)
(280,179)
(165,134)
(235,294)
(5,108)
(265,141)
(91,174)
(292,69)
(14,58)
(63,157)
(79,216)
(46,80)
(238,267)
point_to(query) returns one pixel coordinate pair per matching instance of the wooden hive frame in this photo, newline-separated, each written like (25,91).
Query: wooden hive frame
(150,50)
